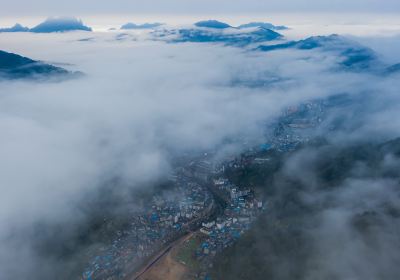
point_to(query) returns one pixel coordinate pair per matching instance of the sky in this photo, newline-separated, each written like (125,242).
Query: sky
(39,7)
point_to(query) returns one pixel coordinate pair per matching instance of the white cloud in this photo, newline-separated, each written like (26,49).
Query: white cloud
(140,103)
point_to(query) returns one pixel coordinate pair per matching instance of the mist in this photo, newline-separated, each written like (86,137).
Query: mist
(142,103)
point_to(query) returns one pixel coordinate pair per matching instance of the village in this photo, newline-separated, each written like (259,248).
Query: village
(165,220)
(203,203)
(217,234)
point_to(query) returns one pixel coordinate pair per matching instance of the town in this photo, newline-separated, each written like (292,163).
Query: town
(202,203)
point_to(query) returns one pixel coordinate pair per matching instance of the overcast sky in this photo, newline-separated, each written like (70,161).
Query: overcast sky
(85,7)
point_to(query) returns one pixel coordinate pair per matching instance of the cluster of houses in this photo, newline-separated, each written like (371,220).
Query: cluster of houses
(293,126)
(167,217)
(242,209)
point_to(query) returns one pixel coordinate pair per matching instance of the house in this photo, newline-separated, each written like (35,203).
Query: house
(205,231)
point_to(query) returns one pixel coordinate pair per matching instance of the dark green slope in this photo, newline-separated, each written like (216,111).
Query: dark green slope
(13,66)
(332,213)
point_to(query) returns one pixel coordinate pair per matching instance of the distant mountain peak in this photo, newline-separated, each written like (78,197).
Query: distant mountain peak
(355,55)
(16,28)
(262,24)
(393,69)
(131,25)
(60,24)
(232,37)
(212,24)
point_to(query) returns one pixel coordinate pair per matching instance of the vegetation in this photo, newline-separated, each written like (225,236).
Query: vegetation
(187,251)
(284,243)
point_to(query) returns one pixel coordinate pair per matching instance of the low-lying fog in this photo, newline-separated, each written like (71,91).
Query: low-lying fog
(140,103)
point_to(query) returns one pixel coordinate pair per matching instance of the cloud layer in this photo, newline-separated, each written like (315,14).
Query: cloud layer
(142,103)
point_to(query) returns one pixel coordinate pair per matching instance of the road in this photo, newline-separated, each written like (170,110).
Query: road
(212,210)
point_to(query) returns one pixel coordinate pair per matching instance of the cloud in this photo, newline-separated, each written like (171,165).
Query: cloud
(141,104)
(332,213)
(352,222)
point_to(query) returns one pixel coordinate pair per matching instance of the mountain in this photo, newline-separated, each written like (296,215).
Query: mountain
(233,37)
(212,24)
(354,55)
(16,28)
(56,24)
(13,66)
(140,26)
(262,24)
(331,41)
(316,225)
(240,39)
(393,69)
(60,24)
